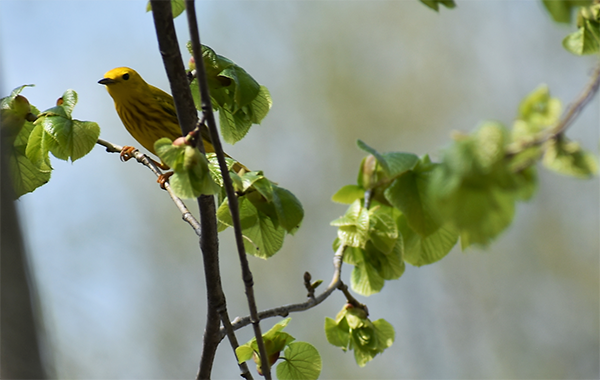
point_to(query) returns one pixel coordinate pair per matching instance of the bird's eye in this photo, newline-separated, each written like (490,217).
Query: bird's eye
(125,76)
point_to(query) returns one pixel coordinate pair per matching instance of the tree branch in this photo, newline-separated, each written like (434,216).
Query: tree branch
(565,122)
(284,311)
(231,196)
(150,164)
(188,117)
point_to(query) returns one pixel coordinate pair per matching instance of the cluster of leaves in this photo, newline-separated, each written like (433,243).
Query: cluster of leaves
(586,40)
(239,99)
(352,330)
(300,360)
(31,135)
(267,212)
(418,209)
(406,208)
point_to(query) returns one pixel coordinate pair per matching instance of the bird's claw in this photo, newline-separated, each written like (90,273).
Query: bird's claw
(127,153)
(163,179)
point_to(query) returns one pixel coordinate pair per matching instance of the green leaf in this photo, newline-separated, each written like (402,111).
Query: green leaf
(238,97)
(177,7)
(353,226)
(26,176)
(244,353)
(562,10)
(15,111)
(353,330)
(69,138)
(233,126)
(68,102)
(385,334)
(289,209)
(191,176)
(419,250)
(568,158)
(409,193)
(383,232)
(37,147)
(474,188)
(434,4)
(586,40)
(487,213)
(380,160)
(262,238)
(348,194)
(301,361)
(337,334)
(399,162)
(390,266)
(365,279)
(538,110)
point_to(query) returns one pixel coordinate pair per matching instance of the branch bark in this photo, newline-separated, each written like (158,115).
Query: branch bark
(231,196)
(209,244)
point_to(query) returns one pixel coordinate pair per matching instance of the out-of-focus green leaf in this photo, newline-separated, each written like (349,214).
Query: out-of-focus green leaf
(562,10)
(568,158)
(435,4)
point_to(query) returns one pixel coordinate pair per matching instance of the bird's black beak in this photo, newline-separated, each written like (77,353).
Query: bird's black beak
(106,81)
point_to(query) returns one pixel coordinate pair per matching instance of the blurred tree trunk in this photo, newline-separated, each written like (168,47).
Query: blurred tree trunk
(19,348)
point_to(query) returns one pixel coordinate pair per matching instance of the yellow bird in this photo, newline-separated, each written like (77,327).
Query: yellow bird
(147,112)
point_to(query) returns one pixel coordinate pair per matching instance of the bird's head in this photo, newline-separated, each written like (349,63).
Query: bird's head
(123,82)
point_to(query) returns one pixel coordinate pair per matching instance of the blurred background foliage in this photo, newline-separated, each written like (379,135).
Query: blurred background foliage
(119,273)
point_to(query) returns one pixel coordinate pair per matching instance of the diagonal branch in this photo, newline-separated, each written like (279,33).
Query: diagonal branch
(283,311)
(146,161)
(565,121)
(231,196)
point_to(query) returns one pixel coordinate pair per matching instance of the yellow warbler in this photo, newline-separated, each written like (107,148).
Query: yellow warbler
(147,112)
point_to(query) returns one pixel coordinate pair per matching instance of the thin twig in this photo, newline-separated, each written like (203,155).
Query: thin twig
(147,162)
(284,311)
(231,196)
(566,120)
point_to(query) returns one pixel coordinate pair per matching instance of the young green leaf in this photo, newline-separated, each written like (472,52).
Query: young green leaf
(419,250)
(301,360)
(238,98)
(586,40)
(474,188)
(348,194)
(409,194)
(288,208)
(65,137)
(434,4)
(353,330)
(191,176)
(26,176)
(365,279)
(353,226)
(568,158)
(337,334)
(562,10)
